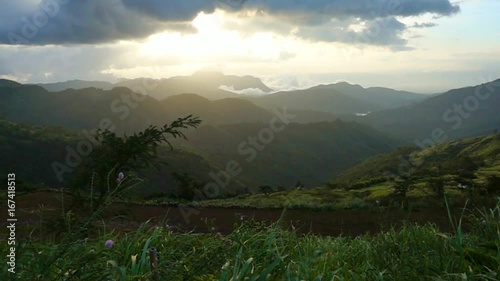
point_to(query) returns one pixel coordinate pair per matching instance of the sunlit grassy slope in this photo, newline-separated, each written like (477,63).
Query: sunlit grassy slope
(480,156)
(469,161)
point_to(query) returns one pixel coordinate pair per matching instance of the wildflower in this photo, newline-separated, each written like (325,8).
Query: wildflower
(212,229)
(484,222)
(242,217)
(120,177)
(228,243)
(108,243)
(133,258)
(218,235)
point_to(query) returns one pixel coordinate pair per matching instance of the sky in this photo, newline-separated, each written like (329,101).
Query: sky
(425,46)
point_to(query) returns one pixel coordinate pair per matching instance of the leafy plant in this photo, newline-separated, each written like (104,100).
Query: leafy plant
(130,154)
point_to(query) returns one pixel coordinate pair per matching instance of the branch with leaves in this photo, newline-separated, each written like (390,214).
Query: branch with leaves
(131,154)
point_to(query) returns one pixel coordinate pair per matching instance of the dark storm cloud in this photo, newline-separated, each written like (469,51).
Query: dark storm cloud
(172,10)
(32,22)
(360,8)
(80,22)
(383,31)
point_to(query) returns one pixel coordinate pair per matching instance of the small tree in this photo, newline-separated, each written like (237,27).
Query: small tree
(266,189)
(493,185)
(401,186)
(116,156)
(187,186)
(437,186)
(282,188)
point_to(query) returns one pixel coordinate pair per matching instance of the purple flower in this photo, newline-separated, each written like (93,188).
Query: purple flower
(121,176)
(108,244)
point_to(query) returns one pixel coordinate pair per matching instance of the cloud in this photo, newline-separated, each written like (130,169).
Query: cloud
(61,63)
(285,55)
(172,10)
(32,22)
(384,31)
(247,91)
(366,9)
(79,22)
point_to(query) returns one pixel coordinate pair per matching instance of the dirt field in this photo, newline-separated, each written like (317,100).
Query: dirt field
(333,223)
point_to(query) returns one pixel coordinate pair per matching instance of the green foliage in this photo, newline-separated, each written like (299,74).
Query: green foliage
(493,184)
(436,184)
(29,152)
(255,251)
(319,150)
(436,169)
(187,186)
(266,189)
(368,182)
(402,186)
(130,154)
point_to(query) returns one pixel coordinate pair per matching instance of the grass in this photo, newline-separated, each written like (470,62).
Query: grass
(319,198)
(322,198)
(256,251)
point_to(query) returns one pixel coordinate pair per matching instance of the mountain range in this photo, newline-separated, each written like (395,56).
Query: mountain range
(339,98)
(312,147)
(458,113)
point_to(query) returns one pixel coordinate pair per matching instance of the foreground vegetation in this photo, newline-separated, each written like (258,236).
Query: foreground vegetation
(253,250)
(256,251)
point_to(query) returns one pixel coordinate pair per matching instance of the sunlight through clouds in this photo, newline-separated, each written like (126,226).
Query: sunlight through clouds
(261,38)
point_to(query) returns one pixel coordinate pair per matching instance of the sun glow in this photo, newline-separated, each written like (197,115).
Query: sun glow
(211,42)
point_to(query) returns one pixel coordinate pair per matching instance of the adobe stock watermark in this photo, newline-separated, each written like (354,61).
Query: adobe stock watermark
(454,116)
(121,108)
(39,19)
(249,149)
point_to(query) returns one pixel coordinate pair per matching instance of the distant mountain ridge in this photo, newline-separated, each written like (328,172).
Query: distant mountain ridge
(339,98)
(383,97)
(316,98)
(76,85)
(9,83)
(458,113)
(420,119)
(203,83)
(87,108)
